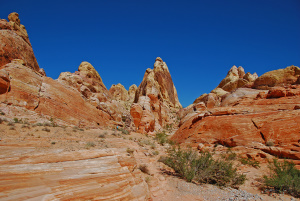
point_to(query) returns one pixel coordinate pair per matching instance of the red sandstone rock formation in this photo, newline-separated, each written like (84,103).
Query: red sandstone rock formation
(14,43)
(289,75)
(250,117)
(35,92)
(81,175)
(236,78)
(118,92)
(89,83)
(155,99)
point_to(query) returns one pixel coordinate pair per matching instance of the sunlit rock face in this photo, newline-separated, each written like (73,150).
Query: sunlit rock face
(280,77)
(118,92)
(88,82)
(268,113)
(15,44)
(157,96)
(235,78)
(106,174)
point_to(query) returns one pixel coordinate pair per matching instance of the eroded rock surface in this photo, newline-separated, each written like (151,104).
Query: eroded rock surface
(79,175)
(267,120)
(46,96)
(157,96)
(118,92)
(14,43)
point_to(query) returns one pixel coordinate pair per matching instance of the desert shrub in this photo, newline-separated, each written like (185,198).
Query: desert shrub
(155,153)
(124,131)
(130,151)
(101,136)
(249,161)
(12,128)
(89,145)
(229,155)
(53,142)
(284,177)
(46,129)
(16,120)
(161,138)
(24,126)
(270,143)
(202,168)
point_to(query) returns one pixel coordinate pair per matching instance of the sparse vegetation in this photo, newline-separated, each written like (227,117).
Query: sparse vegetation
(229,156)
(24,126)
(161,138)
(284,177)
(249,161)
(46,129)
(203,169)
(124,131)
(16,120)
(101,136)
(130,151)
(37,124)
(155,153)
(89,145)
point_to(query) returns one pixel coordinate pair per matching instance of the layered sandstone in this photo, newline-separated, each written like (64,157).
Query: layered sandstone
(30,90)
(88,82)
(15,44)
(156,99)
(261,119)
(106,174)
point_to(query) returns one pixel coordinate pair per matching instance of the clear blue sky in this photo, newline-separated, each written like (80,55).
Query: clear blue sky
(200,40)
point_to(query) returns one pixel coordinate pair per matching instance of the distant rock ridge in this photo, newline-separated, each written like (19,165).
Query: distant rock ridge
(15,44)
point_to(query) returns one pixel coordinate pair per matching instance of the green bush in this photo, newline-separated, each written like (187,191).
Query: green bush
(249,161)
(161,138)
(284,177)
(203,169)
(124,131)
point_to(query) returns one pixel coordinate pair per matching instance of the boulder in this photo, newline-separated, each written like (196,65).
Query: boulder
(289,75)
(211,100)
